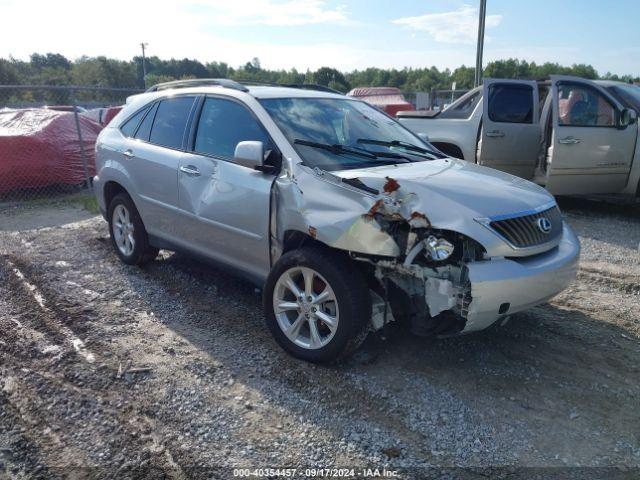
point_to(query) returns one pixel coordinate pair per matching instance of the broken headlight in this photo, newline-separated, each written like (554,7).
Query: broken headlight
(438,249)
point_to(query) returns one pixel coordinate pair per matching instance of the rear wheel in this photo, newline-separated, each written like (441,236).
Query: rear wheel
(317,305)
(128,235)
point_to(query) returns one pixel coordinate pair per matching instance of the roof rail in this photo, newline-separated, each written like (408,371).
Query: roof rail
(302,86)
(312,86)
(199,82)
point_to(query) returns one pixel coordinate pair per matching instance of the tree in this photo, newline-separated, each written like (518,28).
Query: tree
(325,76)
(56,69)
(8,73)
(464,77)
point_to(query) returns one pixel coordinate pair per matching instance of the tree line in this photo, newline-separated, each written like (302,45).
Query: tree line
(56,69)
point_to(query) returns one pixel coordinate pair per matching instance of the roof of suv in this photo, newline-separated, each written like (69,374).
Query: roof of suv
(288,92)
(255,89)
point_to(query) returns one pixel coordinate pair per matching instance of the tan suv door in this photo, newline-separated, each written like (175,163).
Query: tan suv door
(510,134)
(588,152)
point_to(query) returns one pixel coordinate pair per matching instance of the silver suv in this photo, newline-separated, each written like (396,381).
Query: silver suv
(343,217)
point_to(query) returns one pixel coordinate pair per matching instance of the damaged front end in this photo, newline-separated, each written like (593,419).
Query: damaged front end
(417,273)
(427,284)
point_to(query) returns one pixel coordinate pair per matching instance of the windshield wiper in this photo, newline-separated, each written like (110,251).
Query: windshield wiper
(396,143)
(377,153)
(336,148)
(354,150)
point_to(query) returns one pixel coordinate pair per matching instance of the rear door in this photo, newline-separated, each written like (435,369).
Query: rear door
(510,134)
(226,205)
(589,152)
(153,157)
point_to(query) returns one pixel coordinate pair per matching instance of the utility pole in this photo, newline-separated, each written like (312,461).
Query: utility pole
(144,65)
(479,48)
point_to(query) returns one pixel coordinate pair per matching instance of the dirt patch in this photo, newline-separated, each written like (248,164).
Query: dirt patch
(17,218)
(187,382)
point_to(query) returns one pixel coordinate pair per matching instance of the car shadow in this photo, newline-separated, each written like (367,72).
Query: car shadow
(611,207)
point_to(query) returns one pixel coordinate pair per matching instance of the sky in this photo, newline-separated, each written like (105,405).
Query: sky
(348,35)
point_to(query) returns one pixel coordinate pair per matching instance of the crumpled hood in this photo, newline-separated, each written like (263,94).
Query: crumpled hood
(451,191)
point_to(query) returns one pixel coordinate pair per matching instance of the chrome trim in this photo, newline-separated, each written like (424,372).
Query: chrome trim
(523,213)
(539,248)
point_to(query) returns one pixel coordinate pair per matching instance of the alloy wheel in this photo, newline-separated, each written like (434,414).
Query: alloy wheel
(123,230)
(306,307)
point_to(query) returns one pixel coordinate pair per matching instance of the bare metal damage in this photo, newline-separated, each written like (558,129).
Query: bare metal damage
(386,230)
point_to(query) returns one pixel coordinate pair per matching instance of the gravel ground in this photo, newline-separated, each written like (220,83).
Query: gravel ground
(113,371)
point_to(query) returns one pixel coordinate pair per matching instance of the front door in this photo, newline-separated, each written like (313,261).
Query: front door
(226,205)
(510,134)
(589,152)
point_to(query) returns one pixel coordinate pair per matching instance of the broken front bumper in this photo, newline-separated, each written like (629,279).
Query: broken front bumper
(519,282)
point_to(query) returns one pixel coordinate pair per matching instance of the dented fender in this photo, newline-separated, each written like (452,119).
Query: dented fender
(319,204)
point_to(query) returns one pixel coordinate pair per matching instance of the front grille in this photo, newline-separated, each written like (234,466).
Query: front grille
(524,231)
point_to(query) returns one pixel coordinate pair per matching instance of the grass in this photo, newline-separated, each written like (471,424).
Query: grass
(89,203)
(83,199)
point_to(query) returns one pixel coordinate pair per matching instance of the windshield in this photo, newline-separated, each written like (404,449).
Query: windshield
(340,134)
(628,95)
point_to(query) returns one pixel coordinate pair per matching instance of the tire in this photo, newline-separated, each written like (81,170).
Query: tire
(130,243)
(350,311)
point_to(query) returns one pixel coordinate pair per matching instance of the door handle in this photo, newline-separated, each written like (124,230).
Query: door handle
(569,141)
(495,133)
(128,153)
(190,170)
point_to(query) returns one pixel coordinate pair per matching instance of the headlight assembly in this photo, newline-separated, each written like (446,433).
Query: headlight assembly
(437,249)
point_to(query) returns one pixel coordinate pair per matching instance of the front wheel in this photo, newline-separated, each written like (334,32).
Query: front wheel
(317,304)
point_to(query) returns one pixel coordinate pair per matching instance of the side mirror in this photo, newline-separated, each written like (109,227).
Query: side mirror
(249,154)
(424,137)
(627,117)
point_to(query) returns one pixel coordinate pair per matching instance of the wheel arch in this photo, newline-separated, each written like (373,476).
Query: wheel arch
(295,239)
(110,190)
(450,149)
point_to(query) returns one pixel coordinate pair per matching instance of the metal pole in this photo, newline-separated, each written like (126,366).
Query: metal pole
(83,153)
(479,48)
(144,65)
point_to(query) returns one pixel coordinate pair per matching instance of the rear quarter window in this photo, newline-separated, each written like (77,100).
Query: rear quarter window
(144,130)
(463,108)
(129,127)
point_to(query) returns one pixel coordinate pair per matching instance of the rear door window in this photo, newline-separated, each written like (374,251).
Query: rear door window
(170,122)
(510,103)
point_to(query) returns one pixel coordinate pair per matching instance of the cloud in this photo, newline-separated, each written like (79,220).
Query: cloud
(460,26)
(171,29)
(186,29)
(272,13)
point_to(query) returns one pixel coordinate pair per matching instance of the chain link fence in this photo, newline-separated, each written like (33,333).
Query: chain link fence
(434,99)
(441,99)
(48,134)
(47,138)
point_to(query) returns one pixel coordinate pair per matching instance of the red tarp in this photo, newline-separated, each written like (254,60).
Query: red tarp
(102,115)
(389,99)
(109,113)
(40,147)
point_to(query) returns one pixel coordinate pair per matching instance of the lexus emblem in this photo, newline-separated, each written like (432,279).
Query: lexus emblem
(544,225)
